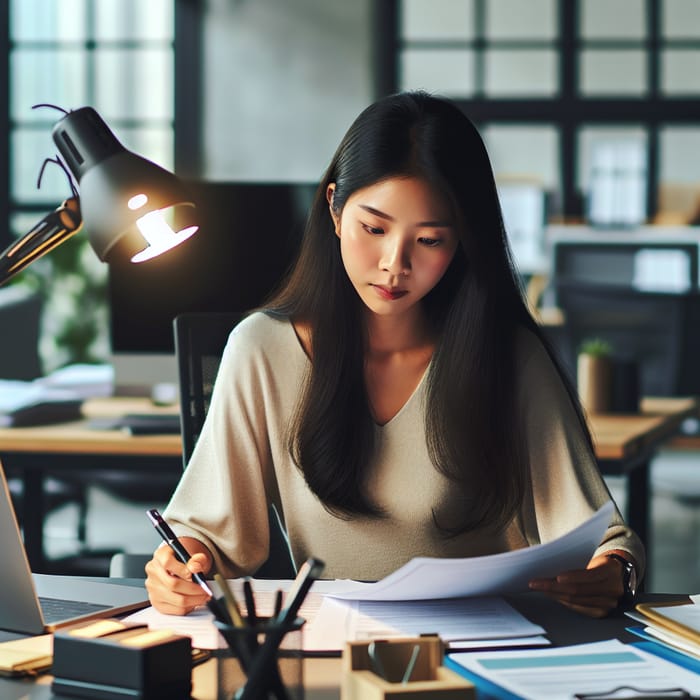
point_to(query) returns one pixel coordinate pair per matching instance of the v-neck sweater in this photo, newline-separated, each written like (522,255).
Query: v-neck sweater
(241,464)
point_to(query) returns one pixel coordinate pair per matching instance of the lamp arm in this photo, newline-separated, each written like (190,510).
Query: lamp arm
(56,227)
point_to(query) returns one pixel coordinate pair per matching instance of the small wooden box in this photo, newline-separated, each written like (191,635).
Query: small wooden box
(429,678)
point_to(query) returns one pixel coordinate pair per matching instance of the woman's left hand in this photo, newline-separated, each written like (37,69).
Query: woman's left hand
(593,591)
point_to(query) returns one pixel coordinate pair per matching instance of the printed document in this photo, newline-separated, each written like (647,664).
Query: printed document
(567,672)
(330,623)
(497,574)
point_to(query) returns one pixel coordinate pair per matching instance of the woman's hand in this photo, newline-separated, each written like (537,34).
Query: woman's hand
(169,583)
(593,591)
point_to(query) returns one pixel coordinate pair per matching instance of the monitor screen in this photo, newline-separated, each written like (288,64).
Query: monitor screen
(249,236)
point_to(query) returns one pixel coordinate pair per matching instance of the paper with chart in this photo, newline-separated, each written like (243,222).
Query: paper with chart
(509,572)
(565,673)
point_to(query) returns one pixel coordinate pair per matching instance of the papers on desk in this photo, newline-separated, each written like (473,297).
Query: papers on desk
(55,398)
(463,623)
(566,673)
(509,572)
(29,403)
(676,624)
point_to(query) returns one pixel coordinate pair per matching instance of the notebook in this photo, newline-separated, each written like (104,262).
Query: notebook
(37,603)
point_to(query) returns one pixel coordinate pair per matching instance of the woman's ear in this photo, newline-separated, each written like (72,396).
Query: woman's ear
(330,192)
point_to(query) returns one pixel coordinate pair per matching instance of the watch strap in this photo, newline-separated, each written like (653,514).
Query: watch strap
(628,571)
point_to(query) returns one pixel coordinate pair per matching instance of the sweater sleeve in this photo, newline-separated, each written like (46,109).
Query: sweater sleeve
(222,497)
(567,486)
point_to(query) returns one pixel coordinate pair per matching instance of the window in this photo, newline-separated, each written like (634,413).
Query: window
(118,57)
(546,79)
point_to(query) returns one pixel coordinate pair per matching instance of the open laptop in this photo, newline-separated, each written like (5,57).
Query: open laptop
(38,603)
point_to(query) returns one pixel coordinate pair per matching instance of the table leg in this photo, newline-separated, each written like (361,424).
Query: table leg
(33,525)
(639,504)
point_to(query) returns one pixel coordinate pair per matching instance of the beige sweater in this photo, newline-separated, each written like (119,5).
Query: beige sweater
(241,463)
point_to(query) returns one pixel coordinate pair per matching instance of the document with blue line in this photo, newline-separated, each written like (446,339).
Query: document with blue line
(608,669)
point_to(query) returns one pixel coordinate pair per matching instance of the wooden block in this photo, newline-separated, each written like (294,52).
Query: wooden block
(363,679)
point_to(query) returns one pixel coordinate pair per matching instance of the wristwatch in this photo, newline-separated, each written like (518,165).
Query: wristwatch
(629,580)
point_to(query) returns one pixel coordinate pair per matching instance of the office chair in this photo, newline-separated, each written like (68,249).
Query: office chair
(200,338)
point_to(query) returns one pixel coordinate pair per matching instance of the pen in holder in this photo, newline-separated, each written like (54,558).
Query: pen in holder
(261,649)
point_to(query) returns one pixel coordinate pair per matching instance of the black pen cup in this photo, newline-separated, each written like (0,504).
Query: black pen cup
(270,655)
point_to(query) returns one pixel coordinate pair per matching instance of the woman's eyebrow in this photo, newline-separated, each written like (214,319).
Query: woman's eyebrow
(388,217)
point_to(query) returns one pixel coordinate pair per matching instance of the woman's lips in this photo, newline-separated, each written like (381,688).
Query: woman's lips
(389,293)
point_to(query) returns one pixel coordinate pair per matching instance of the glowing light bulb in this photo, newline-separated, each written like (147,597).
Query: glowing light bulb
(160,236)
(137,201)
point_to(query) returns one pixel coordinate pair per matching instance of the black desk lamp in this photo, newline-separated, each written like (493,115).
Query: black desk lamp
(123,199)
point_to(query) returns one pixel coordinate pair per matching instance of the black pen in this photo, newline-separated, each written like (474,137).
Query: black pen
(252,613)
(181,553)
(278,602)
(309,571)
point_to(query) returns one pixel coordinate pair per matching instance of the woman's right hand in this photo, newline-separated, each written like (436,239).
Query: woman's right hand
(169,583)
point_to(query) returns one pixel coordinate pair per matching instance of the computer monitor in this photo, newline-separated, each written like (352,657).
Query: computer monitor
(250,234)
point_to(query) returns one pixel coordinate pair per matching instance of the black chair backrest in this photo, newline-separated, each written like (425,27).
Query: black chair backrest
(200,338)
(199,343)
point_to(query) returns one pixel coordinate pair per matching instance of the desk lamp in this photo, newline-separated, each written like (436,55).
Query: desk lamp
(123,199)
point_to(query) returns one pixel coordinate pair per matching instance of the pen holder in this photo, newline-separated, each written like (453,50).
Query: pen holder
(270,656)
(407,667)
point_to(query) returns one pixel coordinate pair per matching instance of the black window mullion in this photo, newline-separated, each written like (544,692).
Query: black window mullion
(653,71)
(568,119)
(5,236)
(188,84)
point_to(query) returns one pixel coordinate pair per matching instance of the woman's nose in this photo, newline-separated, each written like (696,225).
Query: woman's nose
(396,258)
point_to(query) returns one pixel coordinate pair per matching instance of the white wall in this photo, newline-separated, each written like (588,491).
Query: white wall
(283,81)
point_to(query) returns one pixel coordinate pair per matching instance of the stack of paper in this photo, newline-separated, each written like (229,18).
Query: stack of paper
(29,403)
(676,624)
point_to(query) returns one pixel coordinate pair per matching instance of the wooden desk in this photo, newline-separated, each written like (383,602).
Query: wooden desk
(624,446)
(217,679)
(36,452)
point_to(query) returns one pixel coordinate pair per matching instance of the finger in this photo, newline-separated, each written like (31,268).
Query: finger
(597,612)
(591,606)
(174,604)
(598,574)
(578,590)
(164,566)
(198,564)
(174,596)
(160,580)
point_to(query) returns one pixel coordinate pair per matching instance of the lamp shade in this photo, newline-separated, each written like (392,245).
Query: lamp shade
(119,190)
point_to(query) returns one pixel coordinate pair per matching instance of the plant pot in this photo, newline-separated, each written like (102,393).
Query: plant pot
(594,378)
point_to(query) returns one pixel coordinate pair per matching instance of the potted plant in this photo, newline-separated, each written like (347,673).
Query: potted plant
(594,375)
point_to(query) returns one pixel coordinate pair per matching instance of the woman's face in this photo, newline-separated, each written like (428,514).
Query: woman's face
(397,239)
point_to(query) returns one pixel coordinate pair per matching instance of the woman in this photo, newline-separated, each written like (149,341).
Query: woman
(395,398)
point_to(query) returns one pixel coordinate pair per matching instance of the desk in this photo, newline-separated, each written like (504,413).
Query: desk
(217,678)
(36,452)
(624,446)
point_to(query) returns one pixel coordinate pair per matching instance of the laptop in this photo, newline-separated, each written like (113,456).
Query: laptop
(38,603)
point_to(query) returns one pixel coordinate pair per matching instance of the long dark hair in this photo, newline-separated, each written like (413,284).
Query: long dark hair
(475,435)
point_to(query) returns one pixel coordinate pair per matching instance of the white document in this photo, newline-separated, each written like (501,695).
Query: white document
(561,673)
(460,622)
(509,572)
(331,623)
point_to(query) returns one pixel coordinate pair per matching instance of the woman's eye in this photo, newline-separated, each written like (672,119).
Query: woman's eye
(430,242)
(374,230)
